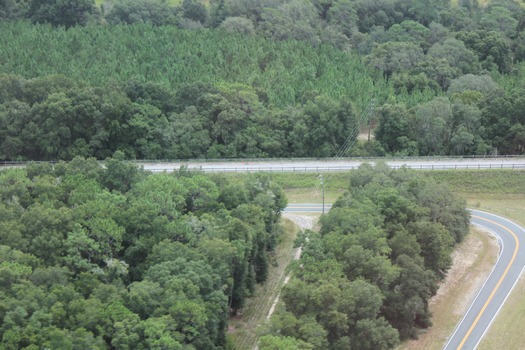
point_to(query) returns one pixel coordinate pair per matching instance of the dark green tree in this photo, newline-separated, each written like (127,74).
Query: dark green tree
(67,13)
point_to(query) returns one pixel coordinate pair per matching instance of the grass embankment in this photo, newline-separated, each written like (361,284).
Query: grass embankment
(484,3)
(242,329)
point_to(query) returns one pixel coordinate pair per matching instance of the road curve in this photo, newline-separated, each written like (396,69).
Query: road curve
(497,287)
(499,284)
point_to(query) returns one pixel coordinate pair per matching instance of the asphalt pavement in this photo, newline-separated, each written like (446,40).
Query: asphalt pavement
(499,284)
(331,165)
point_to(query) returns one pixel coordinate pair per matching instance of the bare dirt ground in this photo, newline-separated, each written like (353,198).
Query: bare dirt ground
(472,262)
(303,221)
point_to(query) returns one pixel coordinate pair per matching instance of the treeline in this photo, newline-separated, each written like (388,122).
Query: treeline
(476,117)
(364,281)
(284,71)
(444,78)
(55,117)
(111,257)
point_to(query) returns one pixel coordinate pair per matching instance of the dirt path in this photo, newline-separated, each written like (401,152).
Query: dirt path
(242,328)
(304,222)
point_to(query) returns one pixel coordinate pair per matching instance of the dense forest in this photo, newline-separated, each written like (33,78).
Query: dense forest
(112,257)
(364,281)
(260,78)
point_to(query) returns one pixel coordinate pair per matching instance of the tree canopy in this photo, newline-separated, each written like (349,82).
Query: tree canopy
(364,281)
(112,257)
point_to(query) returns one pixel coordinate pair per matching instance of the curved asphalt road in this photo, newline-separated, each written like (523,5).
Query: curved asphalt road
(497,287)
(499,284)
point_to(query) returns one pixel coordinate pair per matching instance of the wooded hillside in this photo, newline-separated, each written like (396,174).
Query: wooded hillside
(442,78)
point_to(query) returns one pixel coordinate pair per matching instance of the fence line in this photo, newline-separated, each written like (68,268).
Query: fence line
(256,160)
(318,169)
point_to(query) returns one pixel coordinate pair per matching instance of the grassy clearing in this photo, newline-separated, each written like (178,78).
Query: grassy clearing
(304,187)
(481,181)
(301,181)
(242,329)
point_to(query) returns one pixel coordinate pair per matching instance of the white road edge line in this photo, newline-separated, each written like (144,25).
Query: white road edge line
(502,245)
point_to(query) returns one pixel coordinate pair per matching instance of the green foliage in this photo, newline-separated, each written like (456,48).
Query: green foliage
(65,13)
(100,257)
(289,54)
(365,280)
(96,54)
(156,12)
(270,342)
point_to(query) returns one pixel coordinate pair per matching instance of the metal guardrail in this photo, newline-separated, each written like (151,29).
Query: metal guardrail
(320,169)
(255,160)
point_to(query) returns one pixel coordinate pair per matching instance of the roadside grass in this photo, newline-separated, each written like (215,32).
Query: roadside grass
(242,329)
(474,259)
(501,192)
(484,3)
(506,332)
(490,182)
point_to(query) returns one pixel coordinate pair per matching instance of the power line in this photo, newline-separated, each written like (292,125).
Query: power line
(364,119)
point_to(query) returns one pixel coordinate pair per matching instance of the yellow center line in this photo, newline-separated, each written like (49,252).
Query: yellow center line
(499,282)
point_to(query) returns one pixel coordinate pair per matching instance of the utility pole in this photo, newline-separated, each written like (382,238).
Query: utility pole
(322,185)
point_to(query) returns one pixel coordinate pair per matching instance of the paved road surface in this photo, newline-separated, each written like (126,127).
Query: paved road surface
(497,287)
(307,208)
(327,165)
(340,165)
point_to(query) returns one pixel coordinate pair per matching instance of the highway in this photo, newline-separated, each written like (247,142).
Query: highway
(497,287)
(307,208)
(331,165)
(324,165)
